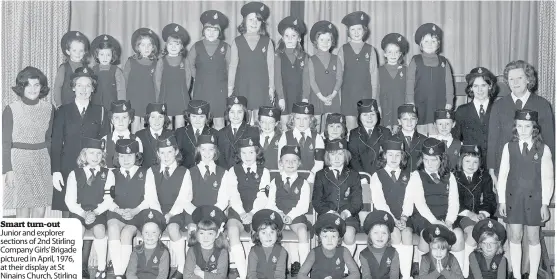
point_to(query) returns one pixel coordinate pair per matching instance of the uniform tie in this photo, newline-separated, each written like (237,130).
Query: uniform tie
(393,175)
(287,184)
(266,144)
(166,172)
(302,139)
(207,172)
(369,132)
(234,131)
(337,174)
(439,266)
(435,178)
(197,133)
(92,177)
(518,104)
(156,136)
(482,112)
(469,179)
(83,112)
(524,149)
(445,142)
(408,139)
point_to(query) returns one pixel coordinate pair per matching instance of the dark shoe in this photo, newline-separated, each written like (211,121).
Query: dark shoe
(100,274)
(177,275)
(233,273)
(525,275)
(294,269)
(415,270)
(109,268)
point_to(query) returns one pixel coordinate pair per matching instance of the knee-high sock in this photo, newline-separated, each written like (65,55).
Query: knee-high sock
(459,258)
(535,254)
(126,252)
(467,250)
(101,245)
(179,254)
(303,252)
(86,251)
(115,255)
(420,254)
(239,257)
(516,259)
(405,255)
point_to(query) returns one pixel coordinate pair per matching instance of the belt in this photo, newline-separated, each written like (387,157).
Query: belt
(29,146)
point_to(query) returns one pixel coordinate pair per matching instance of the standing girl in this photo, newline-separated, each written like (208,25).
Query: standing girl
(111,83)
(269,135)
(121,115)
(88,198)
(172,75)
(525,182)
(208,255)
(360,78)
(75,47)
(488,260)
(379,259)
(139,72)
(251,70)
(27,129)
(439,263)
(156,124)
(392,77)
(267,258)
(209,60)
(429,83)
(199,121)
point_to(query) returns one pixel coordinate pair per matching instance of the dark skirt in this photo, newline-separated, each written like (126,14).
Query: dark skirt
(464,222)
(353,221)
(302,219)
(100,220)
(232,214)
(137,221)
(58,197)
(420,223)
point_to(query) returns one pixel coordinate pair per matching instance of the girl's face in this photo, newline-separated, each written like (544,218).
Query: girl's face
(267,236)
(356,32)
(392,54)
(325,41)
(121,121)
(470,164)
(156,120)
(167,155)
(437,252)
(236,114)
(252,23)
(267,124)
(525,129)
(480,89)
(408,122)
(329,240)
(379,236)
(336,158)
(198,121)
(83,88)
(490,246)
(151,234)
(126,160)
(76,51)
(429,44)
(444,126)
(302,121)
(207,152)
(431,163)
(145,47)
(93,157)
(33,89)
(174,46)
(206,238)
(518,81)
(393,158)
(248,155)
(290,163)
(105,56)
(335,131)
(368,119)
(291,38)
(211,33)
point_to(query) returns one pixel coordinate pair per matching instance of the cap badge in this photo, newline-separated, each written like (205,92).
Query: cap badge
(494,266)
(85,70)
(176,28)
(263,49)
(167,142)
(212,138)
(105,38)
(150,32)
(430,150)
(399,38)
(386,218)
(150,215)
(437,231)
(215,184)
(528,116)
(77,34)
(250,142)
(128,150)
(476,148)
(124,108)
(236,100)
(140,174)
(330,26)
(341,119)
(296,191)
(212,214)
(272,216)
(199,111)
(155,260)
(216,16)
(271,113)
(413,108)
(456,152)
(480,71)
(262,8)
(306,110)
(295,22)
(433,28)
(340,145)
(448,114)
(536,156)
(337,222)
(338,261)
(163,108)
(388,261)
(102,144)
(274,259)
(490,225)
(362,17)
(212,258)
(296,149)
(103,176)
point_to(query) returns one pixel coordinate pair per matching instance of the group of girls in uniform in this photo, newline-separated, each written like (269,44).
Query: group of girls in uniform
(204,175)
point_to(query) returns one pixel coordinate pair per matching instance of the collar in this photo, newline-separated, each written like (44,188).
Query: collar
(153,131)
(201,165)
(88,173)
(115,135)
(524,98)
(529,142)
(367,129)
(477,103)
(339,169)
(411,135)
(389,170)
(28,101)
(172,167)
(448,138)
(270,135)
(253,168)
(132,170)
(298,134)
(292,177)
(82,106)
(235,126)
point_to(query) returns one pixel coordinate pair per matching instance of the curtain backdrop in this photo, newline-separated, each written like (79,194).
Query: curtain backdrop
(546,61)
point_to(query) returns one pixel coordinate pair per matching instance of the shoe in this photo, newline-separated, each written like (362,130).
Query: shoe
(294,269)
(415,270)
(233,274)
(109,267)
(85,271)
(100,274)
(177,275)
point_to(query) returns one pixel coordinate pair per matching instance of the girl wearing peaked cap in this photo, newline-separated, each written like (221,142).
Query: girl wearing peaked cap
(488,260)
(335,127)
(360,76)
(208,255)
(389,192)
(328,260)
(525,187)
(111,83)
(251,70)
(172,74)
(88,198)
(207,59)
(121,115)
(392,77)
(325,69)
(413,141)
(379,259)
(444,122)
(75,47)
(139,72)
(156,126)
(439,263)
(269,134)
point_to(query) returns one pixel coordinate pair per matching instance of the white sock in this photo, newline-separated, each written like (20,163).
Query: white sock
(239,257)
(459,258)
(126,252)
(420,254)
(114,251)
(535,254)
(179,254)
(303,251)
(467,250)
(101,245)
(516,259)
(405,255)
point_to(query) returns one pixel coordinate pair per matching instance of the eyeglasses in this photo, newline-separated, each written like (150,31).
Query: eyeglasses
(489,244)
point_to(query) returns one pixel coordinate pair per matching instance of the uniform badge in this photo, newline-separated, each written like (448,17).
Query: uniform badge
(102,144)
(362,17)
(272,216)
(271,113)
(212,138)
(103,175)
(437,231)
(431,151)
(222,49)
(150,215)
(401,74)
(494,266)
(140,174)
(295,22)
(155,260)
(152,71)
(250,142)
(199,111)
(236,100)
(274,259)
(124,108)
(296,149)
(456,152)
(367,55)
(388,261)
(212,259)
(433,28)
(337,222)
(216,16)
(340,145)
(263,49)
(128,150)
(311,147)
(330,26)
(490,225)
(176,28)
(338,261)
(448,114)
(386,218)
(163,108)
(399,67)
(404,178)
(536,156)
(77,34)
(262,8)
(443,64)
(302,64)
(85,70)
(215,184)
(347,193)
(479,70)
(181,65)
(334,67)
(527,114)
(212,214)
(256,176)
(276,143)
(167,142)
(105,38)
(296,191)
(306,110)
(399,38)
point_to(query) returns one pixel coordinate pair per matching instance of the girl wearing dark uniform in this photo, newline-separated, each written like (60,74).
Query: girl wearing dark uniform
(269,135)
(198,115)
(302,132)
(525,188)
(251,70)
(392,78)
(156,127)
(328,260)
(150,259)
(338,190)
(121,116)
(172,74)
(208,256)
(132,196)
(267,258)
(366,139)
(488,260)
(439,263)
(335,127)
(429,83)
(209,60)
(475,192)
(111,83)
(379,259)
(413,141)
(360,79)
(388,193)
(444,122)
(139,72)
(88,198)
(75,47)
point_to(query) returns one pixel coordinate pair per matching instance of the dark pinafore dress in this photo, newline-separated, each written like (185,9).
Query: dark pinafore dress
(437,199)
(325,77)
(140,86)
(174,89)
(149,142)
(252,73)
(90,196)
(380,270)
(488,271)
(292,79)
(248,187)
(328,267)
(106,92)
(149,268)
(211,78)
(307,150)
(394,191)
(288,198)
(168,190)
(271,152)
(429,89)
(211,264)
(453,152)
(128,194)
(111,150)
(205,191)
(266,265)
(356,79)
(392,93)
